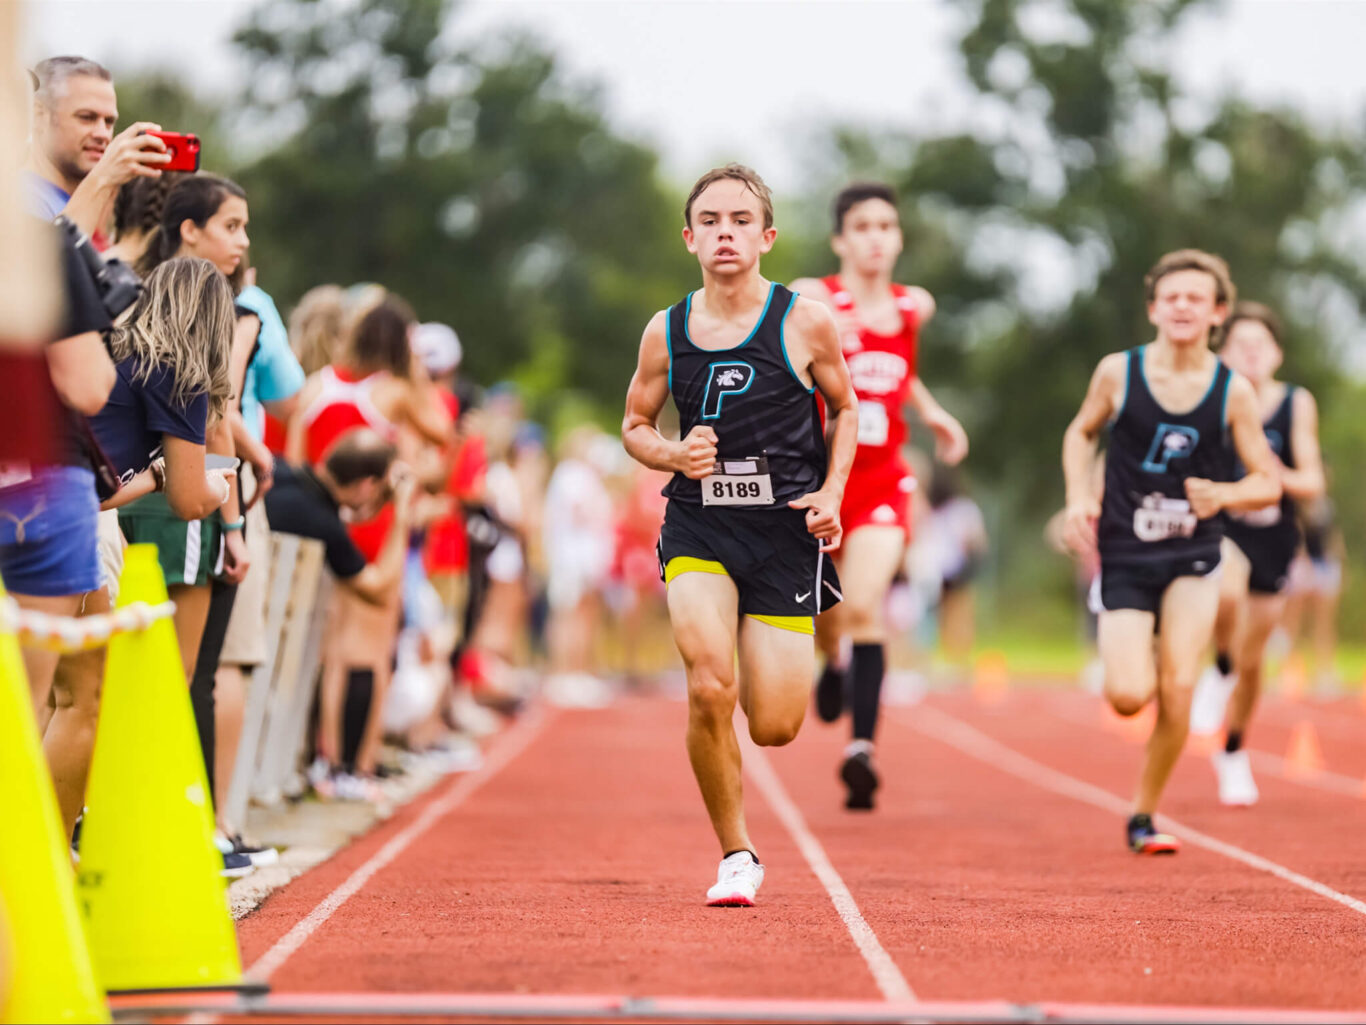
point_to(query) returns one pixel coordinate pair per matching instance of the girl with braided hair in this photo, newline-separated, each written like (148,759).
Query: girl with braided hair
(138,208)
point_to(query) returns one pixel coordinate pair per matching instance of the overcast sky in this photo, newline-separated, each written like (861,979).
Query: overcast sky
(706,80)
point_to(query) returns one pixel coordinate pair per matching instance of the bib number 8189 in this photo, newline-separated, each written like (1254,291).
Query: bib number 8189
(735,489)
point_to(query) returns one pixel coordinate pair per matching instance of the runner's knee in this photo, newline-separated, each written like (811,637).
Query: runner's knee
(711,695)
(773,732)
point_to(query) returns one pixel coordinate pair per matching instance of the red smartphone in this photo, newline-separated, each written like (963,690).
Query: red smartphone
(183,150)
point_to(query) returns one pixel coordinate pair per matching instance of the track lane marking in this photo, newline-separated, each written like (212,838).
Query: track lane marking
(886,974)
(953,731)
(513,743)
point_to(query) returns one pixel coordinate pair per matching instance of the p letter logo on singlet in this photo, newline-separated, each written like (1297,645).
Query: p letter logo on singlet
(1172,441)
(724,379)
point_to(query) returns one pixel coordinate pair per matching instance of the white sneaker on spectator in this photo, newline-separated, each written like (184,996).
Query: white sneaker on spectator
(473,718)
(1212,692)
(1237,788)
(737,882)
(346,787)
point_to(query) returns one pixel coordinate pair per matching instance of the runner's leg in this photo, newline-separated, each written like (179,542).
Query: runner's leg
(1263,612)
(1124,638)
(1189,606)
(775,667)
(703,609)
(871,557)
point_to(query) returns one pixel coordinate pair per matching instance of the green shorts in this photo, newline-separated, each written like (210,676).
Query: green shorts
(190,552)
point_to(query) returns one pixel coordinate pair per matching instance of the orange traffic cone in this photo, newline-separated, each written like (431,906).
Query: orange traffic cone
(991,679)
(1303,757)
(1294,677)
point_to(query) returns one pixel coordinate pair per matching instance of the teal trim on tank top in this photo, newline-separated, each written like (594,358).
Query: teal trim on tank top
(687,312)
(1218,365)
(669,344)
(782,344)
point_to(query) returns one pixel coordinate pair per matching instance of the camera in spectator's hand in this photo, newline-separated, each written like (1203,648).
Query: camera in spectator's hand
(117,283)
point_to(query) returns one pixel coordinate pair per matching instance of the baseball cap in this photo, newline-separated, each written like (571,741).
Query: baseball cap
(438,346)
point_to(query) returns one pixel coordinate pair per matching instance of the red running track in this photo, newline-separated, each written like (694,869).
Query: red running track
(570,873)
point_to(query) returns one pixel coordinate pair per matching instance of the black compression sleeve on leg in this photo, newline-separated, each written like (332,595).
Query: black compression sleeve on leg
(221,599)
(868,666)
(1234,741)
(360,691)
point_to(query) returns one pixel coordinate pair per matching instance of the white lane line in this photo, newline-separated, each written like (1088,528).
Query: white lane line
(514,742)
(953,731)
(1322,779)
(885,972)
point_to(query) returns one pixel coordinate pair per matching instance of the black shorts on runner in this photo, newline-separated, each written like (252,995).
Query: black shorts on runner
(1269,554)
(776,564)
(1141,585)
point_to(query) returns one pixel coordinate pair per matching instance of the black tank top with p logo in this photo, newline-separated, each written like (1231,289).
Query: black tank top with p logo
(1274,523)
(765,418)
(1145,515)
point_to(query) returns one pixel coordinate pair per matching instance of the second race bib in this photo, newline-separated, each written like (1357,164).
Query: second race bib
(873,423)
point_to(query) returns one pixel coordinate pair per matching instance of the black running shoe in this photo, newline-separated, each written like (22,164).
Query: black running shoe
(830,693)
(258,856)
(1145,839)
(861,779)
(235,865)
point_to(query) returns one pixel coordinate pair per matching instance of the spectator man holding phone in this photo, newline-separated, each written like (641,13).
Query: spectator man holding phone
(76,163)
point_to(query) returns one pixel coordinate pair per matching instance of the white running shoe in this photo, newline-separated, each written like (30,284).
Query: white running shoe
(737,881)
(1212,692)
(1236,785)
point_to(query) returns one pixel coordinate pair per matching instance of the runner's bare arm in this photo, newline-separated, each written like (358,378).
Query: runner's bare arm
(1079,444)
(811,288)
(1306,481)
(813,324)
(925,305)
(649,390)
(950,440)
(1262,485)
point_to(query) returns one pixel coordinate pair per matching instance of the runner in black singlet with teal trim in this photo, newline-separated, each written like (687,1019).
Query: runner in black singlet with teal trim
(1258,548)
(1173,410)
(755,497)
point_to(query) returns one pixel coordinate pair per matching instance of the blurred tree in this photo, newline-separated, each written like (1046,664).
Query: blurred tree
(1084,163)
(478,183)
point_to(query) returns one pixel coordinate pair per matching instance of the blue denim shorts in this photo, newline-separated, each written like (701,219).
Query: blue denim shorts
(48,533)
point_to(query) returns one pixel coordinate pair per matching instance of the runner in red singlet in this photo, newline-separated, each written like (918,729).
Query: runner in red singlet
(879,323)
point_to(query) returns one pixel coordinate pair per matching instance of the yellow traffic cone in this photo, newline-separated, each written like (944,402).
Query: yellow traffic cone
(49,972)
(150,875)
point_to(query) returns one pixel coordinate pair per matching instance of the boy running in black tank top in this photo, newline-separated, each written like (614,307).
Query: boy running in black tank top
(1258,547)
(1177,417)
(755,497)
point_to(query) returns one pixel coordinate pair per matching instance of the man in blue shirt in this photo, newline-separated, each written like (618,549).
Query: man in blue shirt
(77,164)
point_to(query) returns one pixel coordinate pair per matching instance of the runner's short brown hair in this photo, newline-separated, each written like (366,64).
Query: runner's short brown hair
(1192,259)
(735,172)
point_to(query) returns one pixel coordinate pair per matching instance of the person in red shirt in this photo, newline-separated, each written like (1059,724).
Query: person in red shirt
(879,324)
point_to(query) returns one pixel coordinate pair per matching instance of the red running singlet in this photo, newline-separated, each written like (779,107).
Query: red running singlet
(343,403)
(882,368)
